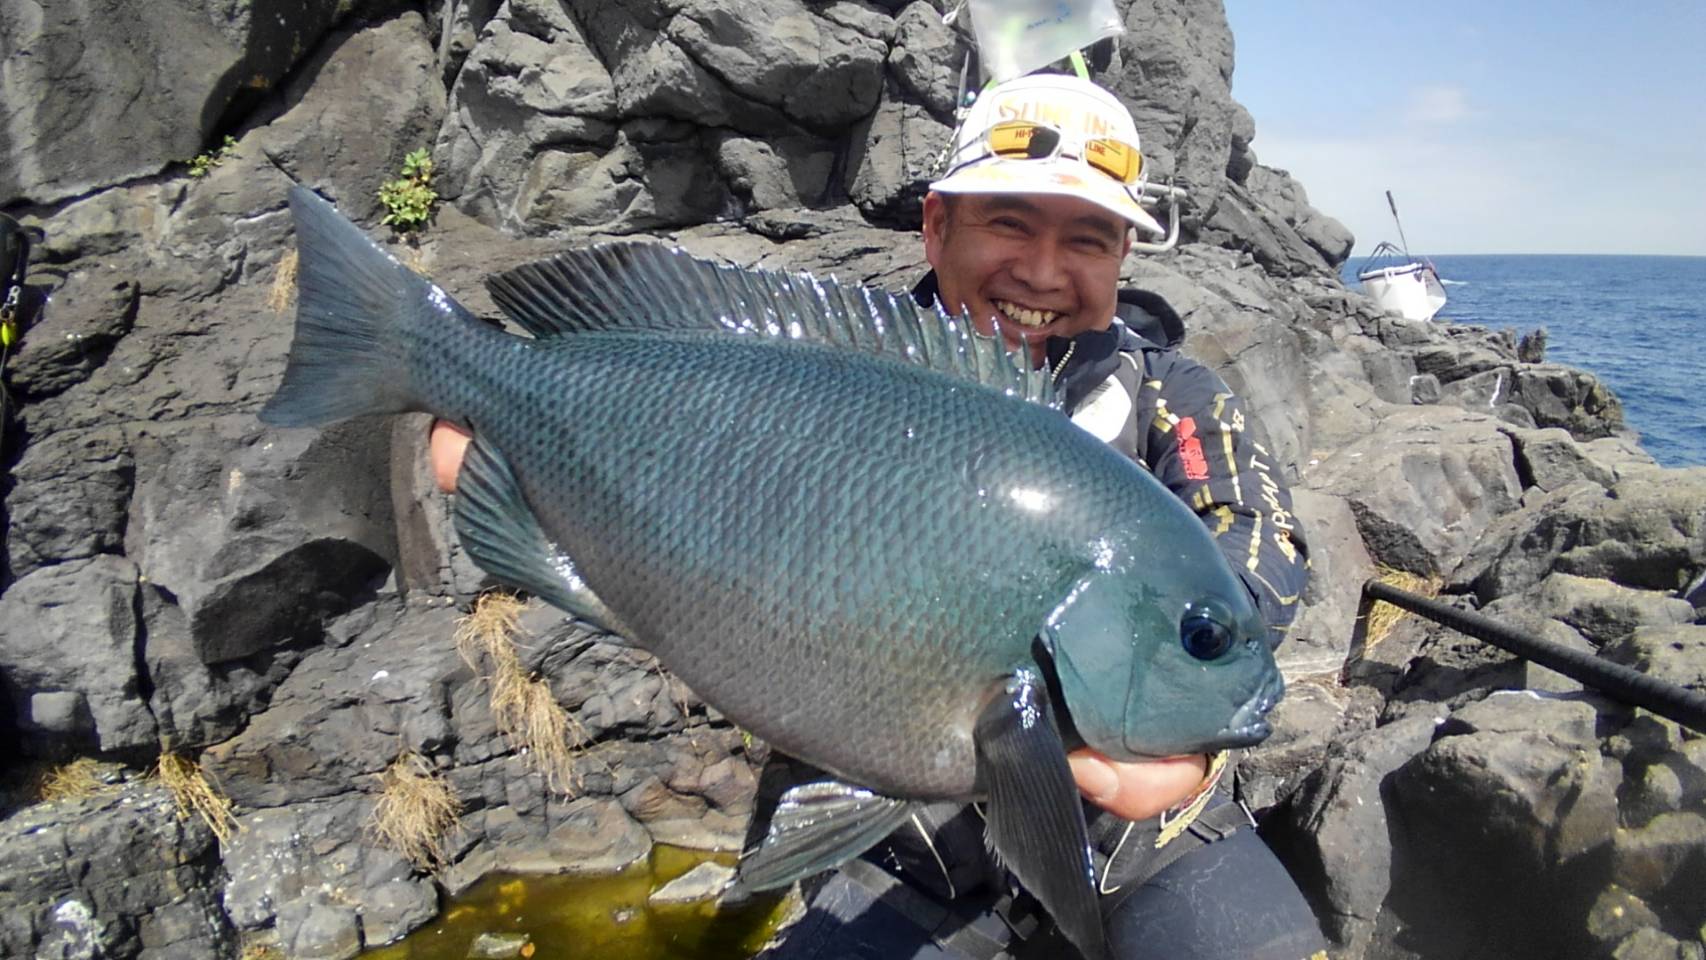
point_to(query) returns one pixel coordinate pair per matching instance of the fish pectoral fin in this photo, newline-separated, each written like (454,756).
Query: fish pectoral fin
(816,827)
(1035,820)
(499,530)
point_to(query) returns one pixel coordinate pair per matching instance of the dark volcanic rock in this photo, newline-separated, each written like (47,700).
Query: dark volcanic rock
(1320,637)
(314,868)
(1560,396)
(68,640)
(116,874)
(1550,459)
(70,498)
(1675,654)
(346,713)
(1290,203)
(784,54)
(376,87)
(92,309)
(1603,611)
(1524,780)
(155,81)
(897,156)
(531,80)
(925,57)
(1663,863)
(1446,478)
(1315,714)
(1174,68)
(1333,835)
(1238,221)
(259,536)
(1648,531)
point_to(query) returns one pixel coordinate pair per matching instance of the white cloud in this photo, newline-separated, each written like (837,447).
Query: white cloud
(1438,105)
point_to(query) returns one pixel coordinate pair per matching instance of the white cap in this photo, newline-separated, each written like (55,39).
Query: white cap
(1081,111)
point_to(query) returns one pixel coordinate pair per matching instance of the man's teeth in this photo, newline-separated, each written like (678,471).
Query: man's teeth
(1025,316)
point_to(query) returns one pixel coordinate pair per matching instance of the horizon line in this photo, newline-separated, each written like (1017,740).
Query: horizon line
(1489,253)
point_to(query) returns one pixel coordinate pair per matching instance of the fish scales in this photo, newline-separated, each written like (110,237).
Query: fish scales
(863,549)
(888,565)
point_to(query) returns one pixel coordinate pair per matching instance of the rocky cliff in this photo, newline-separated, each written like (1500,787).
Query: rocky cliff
(280,606)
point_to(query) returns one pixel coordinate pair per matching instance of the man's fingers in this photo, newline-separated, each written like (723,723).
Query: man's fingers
(445,448)
(1140,790)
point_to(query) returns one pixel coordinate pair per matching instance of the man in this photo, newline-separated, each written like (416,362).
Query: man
(1026,235)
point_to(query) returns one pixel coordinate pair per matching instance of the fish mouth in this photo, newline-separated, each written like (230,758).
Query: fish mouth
(1249,725)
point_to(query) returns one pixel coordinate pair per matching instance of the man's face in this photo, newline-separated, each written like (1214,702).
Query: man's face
(1032,266)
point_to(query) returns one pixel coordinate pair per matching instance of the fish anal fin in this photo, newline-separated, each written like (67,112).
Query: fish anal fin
(816,827)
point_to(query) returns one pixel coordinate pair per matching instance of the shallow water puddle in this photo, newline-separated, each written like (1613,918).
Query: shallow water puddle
(607,917)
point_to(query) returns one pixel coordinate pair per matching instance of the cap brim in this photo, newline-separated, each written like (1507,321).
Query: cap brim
(1059,177)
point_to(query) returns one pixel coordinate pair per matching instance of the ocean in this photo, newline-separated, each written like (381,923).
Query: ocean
(1636,322)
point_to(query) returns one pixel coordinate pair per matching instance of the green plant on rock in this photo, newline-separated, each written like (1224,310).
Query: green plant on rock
(409,200)
(205,162)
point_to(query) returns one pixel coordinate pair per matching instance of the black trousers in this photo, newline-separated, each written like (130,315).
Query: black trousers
(1225,899)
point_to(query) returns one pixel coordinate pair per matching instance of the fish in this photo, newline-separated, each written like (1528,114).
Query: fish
(858,528)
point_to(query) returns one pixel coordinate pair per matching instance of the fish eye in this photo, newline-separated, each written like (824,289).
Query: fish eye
(1203,635)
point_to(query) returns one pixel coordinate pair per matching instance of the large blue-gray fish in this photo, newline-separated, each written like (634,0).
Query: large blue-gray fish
(858,529)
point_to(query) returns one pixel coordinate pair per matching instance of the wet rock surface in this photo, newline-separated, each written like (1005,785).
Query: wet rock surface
(281,605)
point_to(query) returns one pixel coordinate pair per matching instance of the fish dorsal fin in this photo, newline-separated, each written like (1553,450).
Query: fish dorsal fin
(648,286)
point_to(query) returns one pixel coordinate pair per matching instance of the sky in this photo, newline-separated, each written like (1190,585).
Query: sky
(1500,126)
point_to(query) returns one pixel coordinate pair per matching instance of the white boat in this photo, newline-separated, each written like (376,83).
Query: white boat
(1407,286)
(1411,288)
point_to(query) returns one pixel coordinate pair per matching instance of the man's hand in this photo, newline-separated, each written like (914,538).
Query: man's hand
(1135,791)
(445,448)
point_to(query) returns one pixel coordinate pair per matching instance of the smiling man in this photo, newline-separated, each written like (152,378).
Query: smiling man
(1026,234)
(1029,228)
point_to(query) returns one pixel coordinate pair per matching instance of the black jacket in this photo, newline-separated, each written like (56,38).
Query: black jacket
(1130,386)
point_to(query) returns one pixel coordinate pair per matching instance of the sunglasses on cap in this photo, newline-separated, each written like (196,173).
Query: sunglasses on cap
(1030,140)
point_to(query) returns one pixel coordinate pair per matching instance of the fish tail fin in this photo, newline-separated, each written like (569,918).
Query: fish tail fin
(356,306)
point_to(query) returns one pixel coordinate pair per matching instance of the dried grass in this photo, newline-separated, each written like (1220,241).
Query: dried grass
(261,951)
(527,714)
(415,811)
(282,295)
(71,781)
(195,796)
(416,257)
(486,632)
(680,694)
(1382,617)
(534,722)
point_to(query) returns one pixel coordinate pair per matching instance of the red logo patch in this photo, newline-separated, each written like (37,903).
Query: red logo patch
(1190,450)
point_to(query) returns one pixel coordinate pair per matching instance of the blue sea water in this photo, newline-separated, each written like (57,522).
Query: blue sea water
(1636,322)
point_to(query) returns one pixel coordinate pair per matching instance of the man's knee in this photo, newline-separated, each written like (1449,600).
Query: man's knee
(1230,898)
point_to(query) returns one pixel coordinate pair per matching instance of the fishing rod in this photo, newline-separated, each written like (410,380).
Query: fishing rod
(1393,204)
(1685,706)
